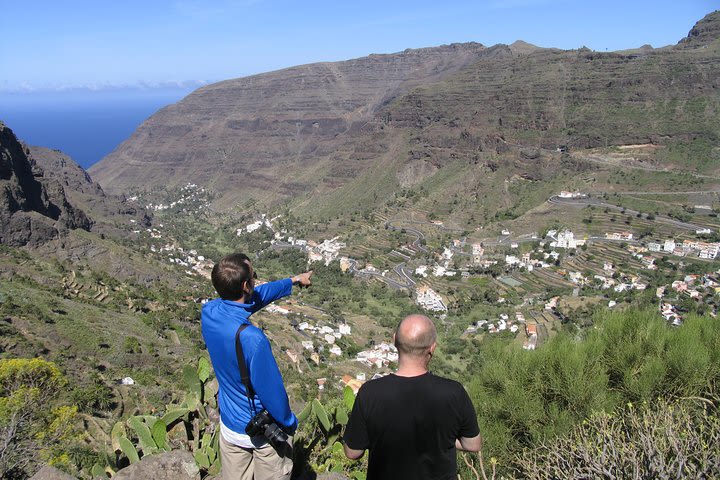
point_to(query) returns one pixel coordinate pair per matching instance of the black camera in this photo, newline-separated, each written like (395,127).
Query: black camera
(263,424)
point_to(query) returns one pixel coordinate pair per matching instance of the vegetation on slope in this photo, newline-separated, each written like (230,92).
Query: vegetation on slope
(526,398)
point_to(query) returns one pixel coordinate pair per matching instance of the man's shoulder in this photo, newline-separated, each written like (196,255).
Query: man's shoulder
(253,336)
(210,304)
(451,388)
(446,382)
(426,379)
(422,383)
(209,308)
(375,385)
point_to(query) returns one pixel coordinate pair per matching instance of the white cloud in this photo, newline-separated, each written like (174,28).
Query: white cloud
(26,87)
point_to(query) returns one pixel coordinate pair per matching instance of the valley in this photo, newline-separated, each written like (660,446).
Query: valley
(554,212)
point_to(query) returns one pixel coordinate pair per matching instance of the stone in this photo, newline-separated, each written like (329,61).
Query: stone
(50,473)
(176,465)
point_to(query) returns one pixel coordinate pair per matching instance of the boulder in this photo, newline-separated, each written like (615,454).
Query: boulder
(51,473)
(177,465)
(331,476)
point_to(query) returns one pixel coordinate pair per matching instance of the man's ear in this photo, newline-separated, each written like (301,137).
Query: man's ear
(432,347)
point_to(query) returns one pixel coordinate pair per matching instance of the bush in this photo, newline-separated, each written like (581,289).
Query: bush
(664,440)
(526,398)
(31,430)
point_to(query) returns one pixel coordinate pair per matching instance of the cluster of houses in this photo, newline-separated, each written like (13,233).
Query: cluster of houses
(190,259)
(325,334)
(705,250)
(565,239)
(326,251)
(506,323)
(502,324)
(621,236)
(621,283)
(380,356)
(428,299)
(525,260)
(257,224)
(575,194)
(442,267)
(688,286)
(437,271)
(189,193)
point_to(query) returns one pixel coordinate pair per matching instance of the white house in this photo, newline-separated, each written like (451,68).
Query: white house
(512,260)
(566,239)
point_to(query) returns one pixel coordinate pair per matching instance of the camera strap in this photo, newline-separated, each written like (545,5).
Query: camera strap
(244,374)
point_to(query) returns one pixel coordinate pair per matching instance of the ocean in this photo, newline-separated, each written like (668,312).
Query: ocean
(87,125)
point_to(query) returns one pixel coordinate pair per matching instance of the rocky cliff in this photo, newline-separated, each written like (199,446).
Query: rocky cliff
(33,206)
(333,129)
(268,132)
(64,169)
(85,193)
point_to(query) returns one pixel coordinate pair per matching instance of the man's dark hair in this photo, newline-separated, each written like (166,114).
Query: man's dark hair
(230,274)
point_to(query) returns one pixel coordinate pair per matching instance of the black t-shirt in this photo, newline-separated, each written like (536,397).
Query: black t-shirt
(410,425)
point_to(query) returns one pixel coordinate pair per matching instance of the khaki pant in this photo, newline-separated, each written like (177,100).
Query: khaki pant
(263,463)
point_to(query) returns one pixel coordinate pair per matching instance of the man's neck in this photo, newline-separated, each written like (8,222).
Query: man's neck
(243,300)
(411,370)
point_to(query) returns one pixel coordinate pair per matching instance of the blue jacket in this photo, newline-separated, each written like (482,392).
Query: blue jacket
(220,321)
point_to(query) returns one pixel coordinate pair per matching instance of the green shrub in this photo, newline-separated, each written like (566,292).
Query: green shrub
(526,398)
(678,439)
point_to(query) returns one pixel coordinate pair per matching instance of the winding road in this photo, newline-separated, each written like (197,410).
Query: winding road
(402,275)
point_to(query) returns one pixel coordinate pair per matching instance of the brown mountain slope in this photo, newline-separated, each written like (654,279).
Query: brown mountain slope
(580,98)
(238,132)
(33,205)
(351,133)
(106,211)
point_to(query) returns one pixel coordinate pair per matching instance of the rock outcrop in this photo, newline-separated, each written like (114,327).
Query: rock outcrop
(33,206)
(50,473)
(64,169)
(176,465)
(268,132)
(704,32)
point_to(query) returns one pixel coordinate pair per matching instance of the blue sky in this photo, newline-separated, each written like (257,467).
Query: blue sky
(105,44)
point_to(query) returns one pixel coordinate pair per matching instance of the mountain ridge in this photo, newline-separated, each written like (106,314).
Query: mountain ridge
(308,133)
(34,207)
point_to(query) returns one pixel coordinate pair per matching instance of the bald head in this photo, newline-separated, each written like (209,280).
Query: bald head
(415,335)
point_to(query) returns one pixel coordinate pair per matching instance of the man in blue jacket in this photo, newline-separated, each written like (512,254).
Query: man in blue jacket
(245,457)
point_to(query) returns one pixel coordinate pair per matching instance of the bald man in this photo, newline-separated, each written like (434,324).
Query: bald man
(412,421)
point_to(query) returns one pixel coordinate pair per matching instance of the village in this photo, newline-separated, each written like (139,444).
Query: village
(460,260)
(534,278)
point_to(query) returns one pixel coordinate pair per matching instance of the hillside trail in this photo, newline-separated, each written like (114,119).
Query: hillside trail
(615,161)
(632,163)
